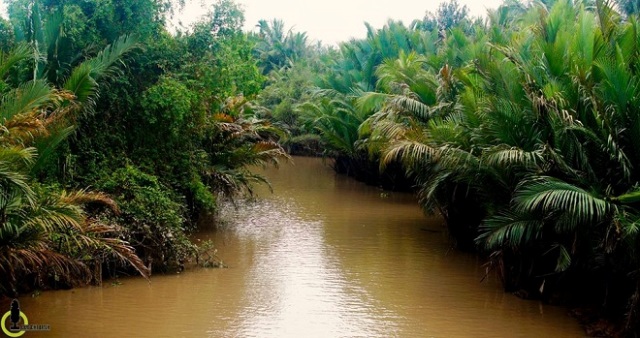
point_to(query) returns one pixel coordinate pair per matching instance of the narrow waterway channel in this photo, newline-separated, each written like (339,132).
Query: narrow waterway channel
(323,256)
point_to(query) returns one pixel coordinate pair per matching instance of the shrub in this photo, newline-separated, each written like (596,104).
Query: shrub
(153,217)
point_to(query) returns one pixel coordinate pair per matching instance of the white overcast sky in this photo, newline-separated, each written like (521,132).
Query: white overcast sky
(330,21)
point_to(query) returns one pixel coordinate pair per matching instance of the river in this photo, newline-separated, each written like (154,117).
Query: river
(321,256)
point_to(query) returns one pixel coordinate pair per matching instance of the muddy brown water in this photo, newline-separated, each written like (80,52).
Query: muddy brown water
(323,256)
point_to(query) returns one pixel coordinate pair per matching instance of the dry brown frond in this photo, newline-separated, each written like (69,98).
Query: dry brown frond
(220,117)
(116,247)
(82,197)
(24,128)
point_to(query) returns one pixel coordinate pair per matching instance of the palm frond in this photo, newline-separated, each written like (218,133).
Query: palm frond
(371,101)
(46,147)
(563,262)
(504,156)
(548,194)
(510,228)
(30,96)
(19,53)
(104,238)
(83,79)
(408,152)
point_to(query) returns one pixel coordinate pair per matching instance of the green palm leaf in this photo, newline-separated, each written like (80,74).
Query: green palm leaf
(29,97)
(83,79)
(548,194)
(504,156)
(19,53)
(510,228)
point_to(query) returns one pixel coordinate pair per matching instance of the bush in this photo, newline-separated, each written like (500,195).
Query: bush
(305,145)
(153,217)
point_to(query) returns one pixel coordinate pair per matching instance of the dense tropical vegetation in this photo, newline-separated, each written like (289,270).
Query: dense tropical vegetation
(521,129)
(117,135)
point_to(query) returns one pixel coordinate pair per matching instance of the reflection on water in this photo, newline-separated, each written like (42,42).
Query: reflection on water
(323,256)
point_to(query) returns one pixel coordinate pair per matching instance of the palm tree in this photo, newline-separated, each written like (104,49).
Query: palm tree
(275,48)
(537,134)
(234,142)
(44,232)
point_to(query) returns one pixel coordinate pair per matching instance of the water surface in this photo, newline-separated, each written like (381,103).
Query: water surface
(323,256)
